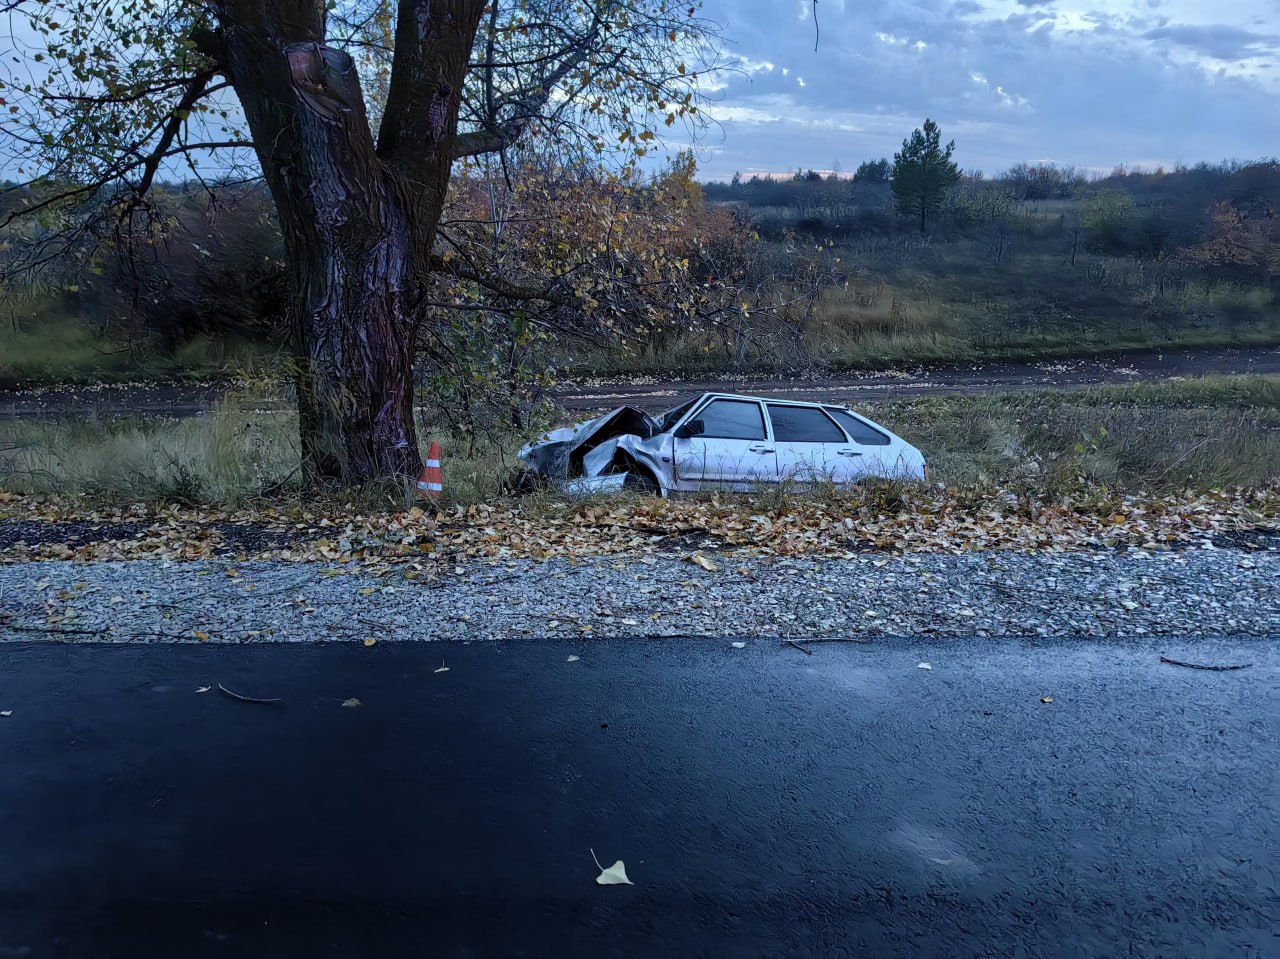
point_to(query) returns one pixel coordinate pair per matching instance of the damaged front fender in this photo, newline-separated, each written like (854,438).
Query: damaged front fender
(599,454)
(562,453)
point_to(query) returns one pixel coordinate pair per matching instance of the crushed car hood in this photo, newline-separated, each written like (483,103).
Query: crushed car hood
(561,453)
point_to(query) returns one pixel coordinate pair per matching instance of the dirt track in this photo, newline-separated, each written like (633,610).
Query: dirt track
(945,381)
(650,393)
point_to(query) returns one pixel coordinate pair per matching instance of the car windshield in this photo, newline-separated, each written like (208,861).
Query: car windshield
(672,416)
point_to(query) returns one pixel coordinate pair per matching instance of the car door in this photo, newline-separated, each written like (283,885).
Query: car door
(871,451)
(730,445)
(809,445)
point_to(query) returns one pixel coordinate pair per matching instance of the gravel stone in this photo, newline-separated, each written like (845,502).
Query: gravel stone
(1191,593)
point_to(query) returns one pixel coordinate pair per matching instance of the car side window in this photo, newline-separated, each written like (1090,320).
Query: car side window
(858,430)
(803,424)
(732,420)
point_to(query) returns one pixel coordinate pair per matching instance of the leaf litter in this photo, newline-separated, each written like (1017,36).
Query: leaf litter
(913,519)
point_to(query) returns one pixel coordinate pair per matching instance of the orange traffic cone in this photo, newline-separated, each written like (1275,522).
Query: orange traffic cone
(430,483)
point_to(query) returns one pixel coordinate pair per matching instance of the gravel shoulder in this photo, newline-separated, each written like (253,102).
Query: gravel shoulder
(1199,592)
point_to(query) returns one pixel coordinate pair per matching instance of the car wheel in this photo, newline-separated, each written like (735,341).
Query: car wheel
(642,483)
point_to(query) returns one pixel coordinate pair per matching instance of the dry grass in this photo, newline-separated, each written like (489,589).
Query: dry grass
(1196,434)
(234,452)
(1208,433)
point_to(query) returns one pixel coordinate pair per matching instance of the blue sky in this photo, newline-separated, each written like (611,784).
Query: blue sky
(1093,83)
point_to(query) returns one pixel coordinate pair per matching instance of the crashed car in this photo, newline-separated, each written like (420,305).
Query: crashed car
(721,441)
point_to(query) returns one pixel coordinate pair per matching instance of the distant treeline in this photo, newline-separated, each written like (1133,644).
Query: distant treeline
(1225,216)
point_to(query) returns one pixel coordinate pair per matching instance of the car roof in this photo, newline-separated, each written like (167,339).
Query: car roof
(771,399)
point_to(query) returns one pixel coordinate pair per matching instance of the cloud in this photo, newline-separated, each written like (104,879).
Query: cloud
(1132,83)
(1218,41)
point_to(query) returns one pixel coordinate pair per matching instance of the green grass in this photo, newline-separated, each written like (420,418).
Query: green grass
(1195,434)
(45,347)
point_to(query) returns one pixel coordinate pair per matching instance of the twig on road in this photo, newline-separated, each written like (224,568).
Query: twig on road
(1216,669)
(792,642)
(247,699)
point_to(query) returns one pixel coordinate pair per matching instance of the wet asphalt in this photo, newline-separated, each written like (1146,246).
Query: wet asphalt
(766,801)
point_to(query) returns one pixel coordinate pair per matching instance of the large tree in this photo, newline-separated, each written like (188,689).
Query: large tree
(923,173)
(355,113)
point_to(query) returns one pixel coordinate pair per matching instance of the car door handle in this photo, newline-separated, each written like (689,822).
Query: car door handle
(849,452)
(760,449)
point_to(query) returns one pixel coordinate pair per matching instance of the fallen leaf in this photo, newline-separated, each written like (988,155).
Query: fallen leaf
(201,636)
(572,659)
(371,641)
(351,703)
(738,645)
(698,559)
(368,590)
(6,713)
(203,689)
(924,666)
(615,875)
(1046,699)
(1128,604)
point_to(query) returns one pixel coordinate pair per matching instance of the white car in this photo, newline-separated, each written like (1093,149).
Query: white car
(723,441)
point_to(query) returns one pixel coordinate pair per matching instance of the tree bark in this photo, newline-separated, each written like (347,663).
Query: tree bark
(358,219)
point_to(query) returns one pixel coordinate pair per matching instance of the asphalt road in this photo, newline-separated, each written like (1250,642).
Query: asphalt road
(766,802)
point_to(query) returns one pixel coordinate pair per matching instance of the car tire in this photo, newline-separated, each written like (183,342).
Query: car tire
(638,481)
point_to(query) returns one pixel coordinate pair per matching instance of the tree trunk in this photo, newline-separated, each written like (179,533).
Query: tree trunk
(358,220)
(353,347)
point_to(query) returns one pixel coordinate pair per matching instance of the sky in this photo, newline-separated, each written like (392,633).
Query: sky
(1090,83)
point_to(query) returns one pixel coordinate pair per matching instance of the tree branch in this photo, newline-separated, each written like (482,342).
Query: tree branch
(498,135)
(196,88)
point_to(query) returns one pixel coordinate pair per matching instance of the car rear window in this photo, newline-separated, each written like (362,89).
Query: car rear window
(803,424)
(732,420)
(860,431)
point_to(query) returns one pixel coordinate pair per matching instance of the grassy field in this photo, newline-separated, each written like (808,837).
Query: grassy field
(1194,434)
(52,348)
(1197,434)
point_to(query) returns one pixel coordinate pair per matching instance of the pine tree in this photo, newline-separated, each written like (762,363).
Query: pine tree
(923,173)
